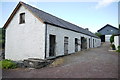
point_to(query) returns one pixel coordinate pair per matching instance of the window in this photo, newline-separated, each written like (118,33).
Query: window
(22,18)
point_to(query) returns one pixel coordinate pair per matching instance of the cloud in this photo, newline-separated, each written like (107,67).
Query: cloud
(104,3)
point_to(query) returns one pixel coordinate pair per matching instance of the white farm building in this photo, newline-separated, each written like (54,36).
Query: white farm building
(117,40)
(33,33)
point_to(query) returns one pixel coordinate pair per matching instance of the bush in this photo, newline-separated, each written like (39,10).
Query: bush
(7,64)
(118,49)
(112,39)
(113,47)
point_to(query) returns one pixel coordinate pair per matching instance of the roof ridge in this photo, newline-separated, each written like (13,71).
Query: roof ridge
(108,25)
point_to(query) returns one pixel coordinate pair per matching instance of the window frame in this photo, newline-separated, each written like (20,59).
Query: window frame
(22,18)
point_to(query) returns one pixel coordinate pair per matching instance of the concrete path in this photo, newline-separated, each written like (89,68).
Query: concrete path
(93,63)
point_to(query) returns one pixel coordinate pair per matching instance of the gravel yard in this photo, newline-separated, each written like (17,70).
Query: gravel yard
(92,63)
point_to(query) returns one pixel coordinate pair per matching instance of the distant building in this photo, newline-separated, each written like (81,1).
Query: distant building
(33,33)
(107,31)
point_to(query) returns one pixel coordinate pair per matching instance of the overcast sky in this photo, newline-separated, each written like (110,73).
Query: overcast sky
(92,15)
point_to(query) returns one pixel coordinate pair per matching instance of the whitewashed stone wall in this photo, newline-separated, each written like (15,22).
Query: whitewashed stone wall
(28,40)
(61,33)
(25,40)
(116,41)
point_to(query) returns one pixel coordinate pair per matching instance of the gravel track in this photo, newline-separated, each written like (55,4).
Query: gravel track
(92,63)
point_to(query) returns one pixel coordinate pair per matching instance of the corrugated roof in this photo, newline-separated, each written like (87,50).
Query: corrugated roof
(48,18)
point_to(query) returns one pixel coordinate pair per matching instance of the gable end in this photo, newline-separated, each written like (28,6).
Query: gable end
(14,12)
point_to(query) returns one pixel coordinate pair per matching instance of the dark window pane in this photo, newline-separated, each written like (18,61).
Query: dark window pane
(22,18)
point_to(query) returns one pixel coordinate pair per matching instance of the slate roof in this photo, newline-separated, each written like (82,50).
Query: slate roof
(117,33)
(118,30)
(53,20)
(50,19)
(106,26)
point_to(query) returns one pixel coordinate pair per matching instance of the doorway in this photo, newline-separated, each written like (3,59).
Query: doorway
(76,44)
(52,45)
(83,43)
(93,43)
(65,45)
(102,38)
(89,43)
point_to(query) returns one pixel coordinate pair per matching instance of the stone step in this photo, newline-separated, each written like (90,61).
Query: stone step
(36,63)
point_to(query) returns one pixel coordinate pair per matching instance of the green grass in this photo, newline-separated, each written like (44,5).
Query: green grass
(118,49)
(7,64)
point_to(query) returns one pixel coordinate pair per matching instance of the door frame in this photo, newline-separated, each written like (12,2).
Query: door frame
(66,43)
(50,52)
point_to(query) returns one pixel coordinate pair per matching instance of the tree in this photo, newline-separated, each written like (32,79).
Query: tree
(98,34)
(112,39)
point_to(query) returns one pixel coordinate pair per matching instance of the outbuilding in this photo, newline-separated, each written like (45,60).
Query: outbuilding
(117,40)
(33,33)
(106,32)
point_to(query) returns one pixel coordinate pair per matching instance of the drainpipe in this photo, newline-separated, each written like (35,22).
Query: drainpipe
(45,40)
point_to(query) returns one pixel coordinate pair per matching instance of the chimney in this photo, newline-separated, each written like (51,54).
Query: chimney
(87,29)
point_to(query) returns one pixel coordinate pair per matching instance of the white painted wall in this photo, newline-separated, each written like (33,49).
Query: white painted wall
(61,33)
(116,41)
(28,40)
(107,38)
(25,40)
(98,42)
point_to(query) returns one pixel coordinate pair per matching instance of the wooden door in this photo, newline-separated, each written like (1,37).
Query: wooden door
(65,45)
(83,43)
(52,45)
(76,45)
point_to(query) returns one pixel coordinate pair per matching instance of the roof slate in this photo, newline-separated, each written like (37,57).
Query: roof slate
(109,26)
(50,19)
